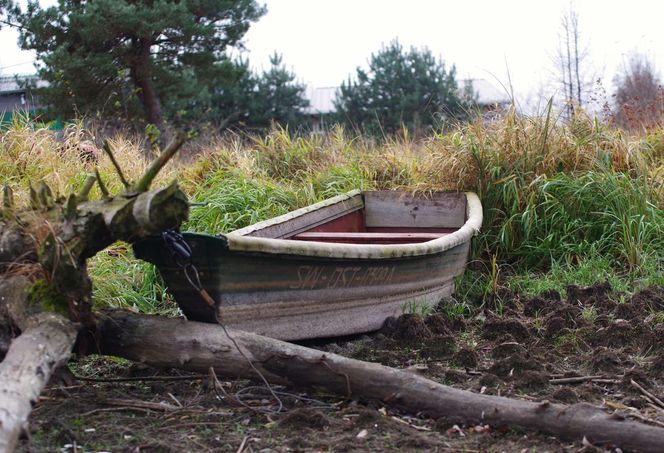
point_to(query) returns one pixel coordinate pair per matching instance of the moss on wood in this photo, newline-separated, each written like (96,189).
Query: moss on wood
(44,296)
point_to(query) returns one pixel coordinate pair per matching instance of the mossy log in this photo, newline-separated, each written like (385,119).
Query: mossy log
(44,345)
(168,343)
(45,290)
(45,302)
(52,238)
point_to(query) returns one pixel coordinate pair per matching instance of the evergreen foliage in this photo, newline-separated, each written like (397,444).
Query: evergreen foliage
(4,6)
(280,97)
(402,88)
(127,56)
(259,100)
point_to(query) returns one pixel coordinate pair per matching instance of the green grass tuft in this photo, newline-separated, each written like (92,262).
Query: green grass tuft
(563,203)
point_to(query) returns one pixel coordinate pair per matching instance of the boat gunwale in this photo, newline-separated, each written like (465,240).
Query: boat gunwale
(238,241)
(295,214)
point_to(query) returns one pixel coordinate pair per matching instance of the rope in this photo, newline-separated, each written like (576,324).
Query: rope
(182,256)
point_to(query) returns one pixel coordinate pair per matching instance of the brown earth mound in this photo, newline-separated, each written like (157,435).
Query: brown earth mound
(587,347)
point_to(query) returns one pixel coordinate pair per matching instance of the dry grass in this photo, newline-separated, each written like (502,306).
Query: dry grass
(472,157)
(553,193)
(30,154)
(528,148)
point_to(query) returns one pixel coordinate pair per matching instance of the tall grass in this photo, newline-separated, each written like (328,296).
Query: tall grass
(121,281)
(554,192)
(554,195)
(232,200)
(30,153)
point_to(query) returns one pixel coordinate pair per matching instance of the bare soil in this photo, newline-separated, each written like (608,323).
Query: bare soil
(516,347)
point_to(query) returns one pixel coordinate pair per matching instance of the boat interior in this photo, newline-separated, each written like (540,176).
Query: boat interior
(382,217)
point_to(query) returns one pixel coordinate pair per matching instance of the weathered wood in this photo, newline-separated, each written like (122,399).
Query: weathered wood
(14,302)
(292,297)
(26,369)
(16,247)
(398,209)
(45,290)
(195,346)
(351,222)
(240,241)
(109,152)
(319,282)
(13,309)
(304,219)
(156,165)
(367,238)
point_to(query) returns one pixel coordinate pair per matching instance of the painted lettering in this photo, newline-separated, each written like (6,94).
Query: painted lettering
(315,277)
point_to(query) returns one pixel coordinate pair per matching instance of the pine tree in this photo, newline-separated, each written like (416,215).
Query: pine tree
(401,88)
(142,58)
(259,100)
(279,98)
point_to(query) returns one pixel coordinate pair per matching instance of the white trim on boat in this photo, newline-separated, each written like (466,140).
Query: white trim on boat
(237,241)
(294,214)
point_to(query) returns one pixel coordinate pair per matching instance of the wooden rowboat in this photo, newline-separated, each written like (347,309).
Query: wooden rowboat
(338,267)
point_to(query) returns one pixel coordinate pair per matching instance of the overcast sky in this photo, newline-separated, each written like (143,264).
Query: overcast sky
(323,41)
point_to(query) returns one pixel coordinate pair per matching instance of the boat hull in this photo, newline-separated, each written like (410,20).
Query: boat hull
(368,263)
(293,297)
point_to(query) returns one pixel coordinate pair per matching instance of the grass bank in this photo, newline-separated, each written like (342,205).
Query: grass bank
(577,202)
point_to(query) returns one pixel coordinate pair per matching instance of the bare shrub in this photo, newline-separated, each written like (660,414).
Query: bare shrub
(639,97)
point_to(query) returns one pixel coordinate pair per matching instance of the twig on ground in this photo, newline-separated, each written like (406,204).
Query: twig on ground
(175,399)
(242,445)
(635,414)
(412,425)
(164,407)
(606,381)
(649,396)
(116,409)
(203,446)
(574,380)
(654,406)
(188,425)
(143,378)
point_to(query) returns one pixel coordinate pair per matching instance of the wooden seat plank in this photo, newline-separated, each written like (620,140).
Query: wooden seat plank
(367,238)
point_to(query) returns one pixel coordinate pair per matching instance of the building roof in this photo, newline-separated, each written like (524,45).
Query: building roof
(487,93)
(9,85)
(321,99)
(12,84)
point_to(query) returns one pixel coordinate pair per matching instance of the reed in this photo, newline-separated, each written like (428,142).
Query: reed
(556,196)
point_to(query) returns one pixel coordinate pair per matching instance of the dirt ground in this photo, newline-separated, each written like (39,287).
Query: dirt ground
(518,347)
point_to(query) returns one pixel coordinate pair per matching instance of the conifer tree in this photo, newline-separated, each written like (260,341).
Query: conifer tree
(280,98)
(259,100)
(143,58)
(401,88)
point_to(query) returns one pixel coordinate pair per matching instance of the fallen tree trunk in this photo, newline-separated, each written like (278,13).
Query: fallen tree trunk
(162,342)
(27,368)
(13,302)
(45,289)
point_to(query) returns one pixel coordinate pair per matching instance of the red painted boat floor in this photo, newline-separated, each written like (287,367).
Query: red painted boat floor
(351,228)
